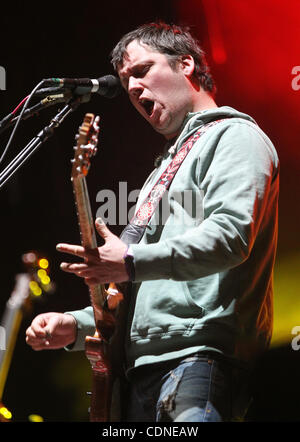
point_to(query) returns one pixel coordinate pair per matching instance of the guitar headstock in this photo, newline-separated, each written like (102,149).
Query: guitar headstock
(20,292)
(86,147)
(34,282)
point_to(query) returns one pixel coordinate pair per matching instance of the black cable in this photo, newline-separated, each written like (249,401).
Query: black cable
(50,100)
(36,142)
(19,119)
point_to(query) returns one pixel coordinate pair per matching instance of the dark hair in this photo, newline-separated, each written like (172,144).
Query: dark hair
(171,40)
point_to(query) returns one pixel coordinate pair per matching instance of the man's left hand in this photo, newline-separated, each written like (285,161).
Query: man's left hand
(101,265)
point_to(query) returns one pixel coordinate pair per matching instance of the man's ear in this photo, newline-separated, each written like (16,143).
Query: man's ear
(187,64)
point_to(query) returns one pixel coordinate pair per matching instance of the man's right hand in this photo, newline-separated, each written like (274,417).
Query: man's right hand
(50,331)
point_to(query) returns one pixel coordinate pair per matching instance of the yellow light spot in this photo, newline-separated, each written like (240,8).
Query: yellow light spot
(41,273)
(35,418)
(44,263)
(37,292)
(35,288)
(5,413)
(45,280)
(33,285)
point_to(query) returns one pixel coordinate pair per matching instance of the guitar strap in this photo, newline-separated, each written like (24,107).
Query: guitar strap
(134,231)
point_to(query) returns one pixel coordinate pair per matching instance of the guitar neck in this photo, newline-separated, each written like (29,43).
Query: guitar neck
(88,240)
(98,347)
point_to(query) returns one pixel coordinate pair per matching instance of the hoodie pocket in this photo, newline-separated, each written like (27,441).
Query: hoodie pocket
(198,309)
(164,306)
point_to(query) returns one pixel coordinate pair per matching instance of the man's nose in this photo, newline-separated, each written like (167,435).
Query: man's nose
(134,87)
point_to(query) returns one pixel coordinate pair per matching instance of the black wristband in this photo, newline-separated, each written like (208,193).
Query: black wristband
(129,265)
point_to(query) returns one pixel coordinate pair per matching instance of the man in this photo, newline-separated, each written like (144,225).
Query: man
(201,302)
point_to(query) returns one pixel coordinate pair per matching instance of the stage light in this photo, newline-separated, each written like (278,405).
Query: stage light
(35,288)
(35,418)
(41,273)
(5,413)
(43,263)
(45,280)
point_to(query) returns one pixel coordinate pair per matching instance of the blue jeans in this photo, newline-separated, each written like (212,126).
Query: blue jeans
(199,388)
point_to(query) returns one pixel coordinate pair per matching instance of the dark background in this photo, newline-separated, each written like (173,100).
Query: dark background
(251,47)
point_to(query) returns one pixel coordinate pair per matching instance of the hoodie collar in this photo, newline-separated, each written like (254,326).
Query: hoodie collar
(194,120)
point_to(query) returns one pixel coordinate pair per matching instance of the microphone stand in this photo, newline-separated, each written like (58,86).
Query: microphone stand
(39,139)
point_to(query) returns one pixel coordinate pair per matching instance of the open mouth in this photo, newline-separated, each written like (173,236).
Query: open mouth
(148,105)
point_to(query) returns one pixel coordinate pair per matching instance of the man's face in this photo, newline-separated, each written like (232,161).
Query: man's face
(156,90)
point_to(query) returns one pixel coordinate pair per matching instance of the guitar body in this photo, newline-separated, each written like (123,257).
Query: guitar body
(102,379)
(105,303)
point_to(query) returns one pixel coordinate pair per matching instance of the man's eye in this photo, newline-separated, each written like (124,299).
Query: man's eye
(142,72)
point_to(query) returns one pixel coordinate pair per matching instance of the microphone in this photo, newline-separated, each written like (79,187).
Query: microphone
(108,86)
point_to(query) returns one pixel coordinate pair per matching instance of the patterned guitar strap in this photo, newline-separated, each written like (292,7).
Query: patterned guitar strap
(134,231)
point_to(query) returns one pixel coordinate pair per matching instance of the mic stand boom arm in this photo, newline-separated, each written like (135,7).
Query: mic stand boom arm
(40,138)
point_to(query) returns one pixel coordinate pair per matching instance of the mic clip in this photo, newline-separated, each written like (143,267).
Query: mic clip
(66,94)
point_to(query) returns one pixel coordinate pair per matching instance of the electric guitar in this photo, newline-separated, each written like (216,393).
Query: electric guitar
(98,347)
(30,285)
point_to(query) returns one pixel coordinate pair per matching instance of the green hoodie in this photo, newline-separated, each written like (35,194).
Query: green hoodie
(204,267)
